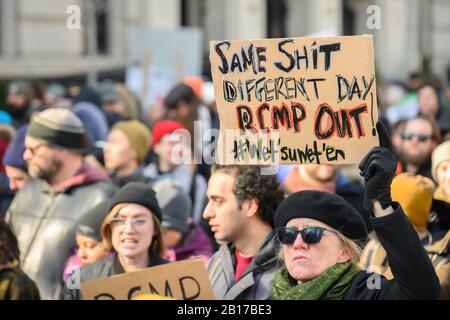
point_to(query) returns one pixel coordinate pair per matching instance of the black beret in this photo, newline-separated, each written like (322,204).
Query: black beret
(139,193)
(325,207)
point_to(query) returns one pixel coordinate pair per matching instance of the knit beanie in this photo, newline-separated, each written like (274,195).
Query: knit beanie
(139,136)
(175,204)
(58,127)
(415,194)
(440,154)
(325,207)
(89,225)
(14,154)
(162,128)
(138,193)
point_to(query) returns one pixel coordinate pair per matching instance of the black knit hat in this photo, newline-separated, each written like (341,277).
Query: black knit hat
(89,225)
(325,207)
(139,193)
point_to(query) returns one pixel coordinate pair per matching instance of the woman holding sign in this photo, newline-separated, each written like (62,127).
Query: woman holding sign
(132,230)
(320,233)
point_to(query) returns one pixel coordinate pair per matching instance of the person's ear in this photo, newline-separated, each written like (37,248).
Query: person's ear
(156,231)
(346,255)
(251,207)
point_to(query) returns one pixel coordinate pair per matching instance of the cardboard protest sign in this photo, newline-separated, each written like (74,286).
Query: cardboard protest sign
(295,100)
(184,280)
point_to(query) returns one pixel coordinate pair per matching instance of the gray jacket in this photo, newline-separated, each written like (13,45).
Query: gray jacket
(44,221)
(256,281)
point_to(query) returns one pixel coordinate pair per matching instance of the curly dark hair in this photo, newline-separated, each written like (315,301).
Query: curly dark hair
(251,184)
(9,248)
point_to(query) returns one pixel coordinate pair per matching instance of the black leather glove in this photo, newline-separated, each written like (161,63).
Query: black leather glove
(378,169)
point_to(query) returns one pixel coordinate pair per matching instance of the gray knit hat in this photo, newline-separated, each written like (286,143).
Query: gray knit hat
(58,127)
(175,204)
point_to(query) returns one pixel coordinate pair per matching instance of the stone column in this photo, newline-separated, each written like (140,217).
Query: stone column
(8,28)
(246,19)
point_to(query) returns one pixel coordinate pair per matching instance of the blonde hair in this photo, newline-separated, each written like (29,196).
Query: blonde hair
(156,248)
(352,246)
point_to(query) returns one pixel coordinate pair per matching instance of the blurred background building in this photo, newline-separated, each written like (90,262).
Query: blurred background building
(35,41)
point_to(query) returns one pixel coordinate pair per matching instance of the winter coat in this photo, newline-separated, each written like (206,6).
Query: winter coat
(136,176)
(439,219)
(256,281)
(44,219)
(16,285)
(414,274)
(439,253)
(195,243)
(104,268)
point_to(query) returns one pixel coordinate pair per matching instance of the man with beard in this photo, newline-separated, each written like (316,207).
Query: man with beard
(18,103)
(419,137)
(326,177)
(45,211)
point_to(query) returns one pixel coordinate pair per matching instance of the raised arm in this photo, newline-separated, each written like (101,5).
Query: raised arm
(414,275)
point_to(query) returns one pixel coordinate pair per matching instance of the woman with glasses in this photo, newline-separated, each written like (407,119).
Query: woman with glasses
(132,231)
(321,237)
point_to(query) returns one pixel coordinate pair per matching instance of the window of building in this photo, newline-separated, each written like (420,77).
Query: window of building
(98,27)
(276,18)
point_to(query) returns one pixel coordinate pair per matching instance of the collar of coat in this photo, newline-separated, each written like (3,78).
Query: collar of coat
(153,261)
(265,256)
(87,174)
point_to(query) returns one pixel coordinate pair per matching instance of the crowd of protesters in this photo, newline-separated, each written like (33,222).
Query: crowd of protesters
(89,181)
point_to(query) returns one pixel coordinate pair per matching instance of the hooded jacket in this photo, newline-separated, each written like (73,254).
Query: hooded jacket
(256,281)
(414,276)
(194,243)
(44,219)
(136,176)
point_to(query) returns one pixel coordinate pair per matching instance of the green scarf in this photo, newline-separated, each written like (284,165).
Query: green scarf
(332,284)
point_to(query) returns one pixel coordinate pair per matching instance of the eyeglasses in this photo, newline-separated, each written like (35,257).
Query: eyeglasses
(138,223)
(310,235)
(420,137)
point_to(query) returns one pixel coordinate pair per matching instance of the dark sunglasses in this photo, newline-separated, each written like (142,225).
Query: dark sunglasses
(420,137)
(310,235)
